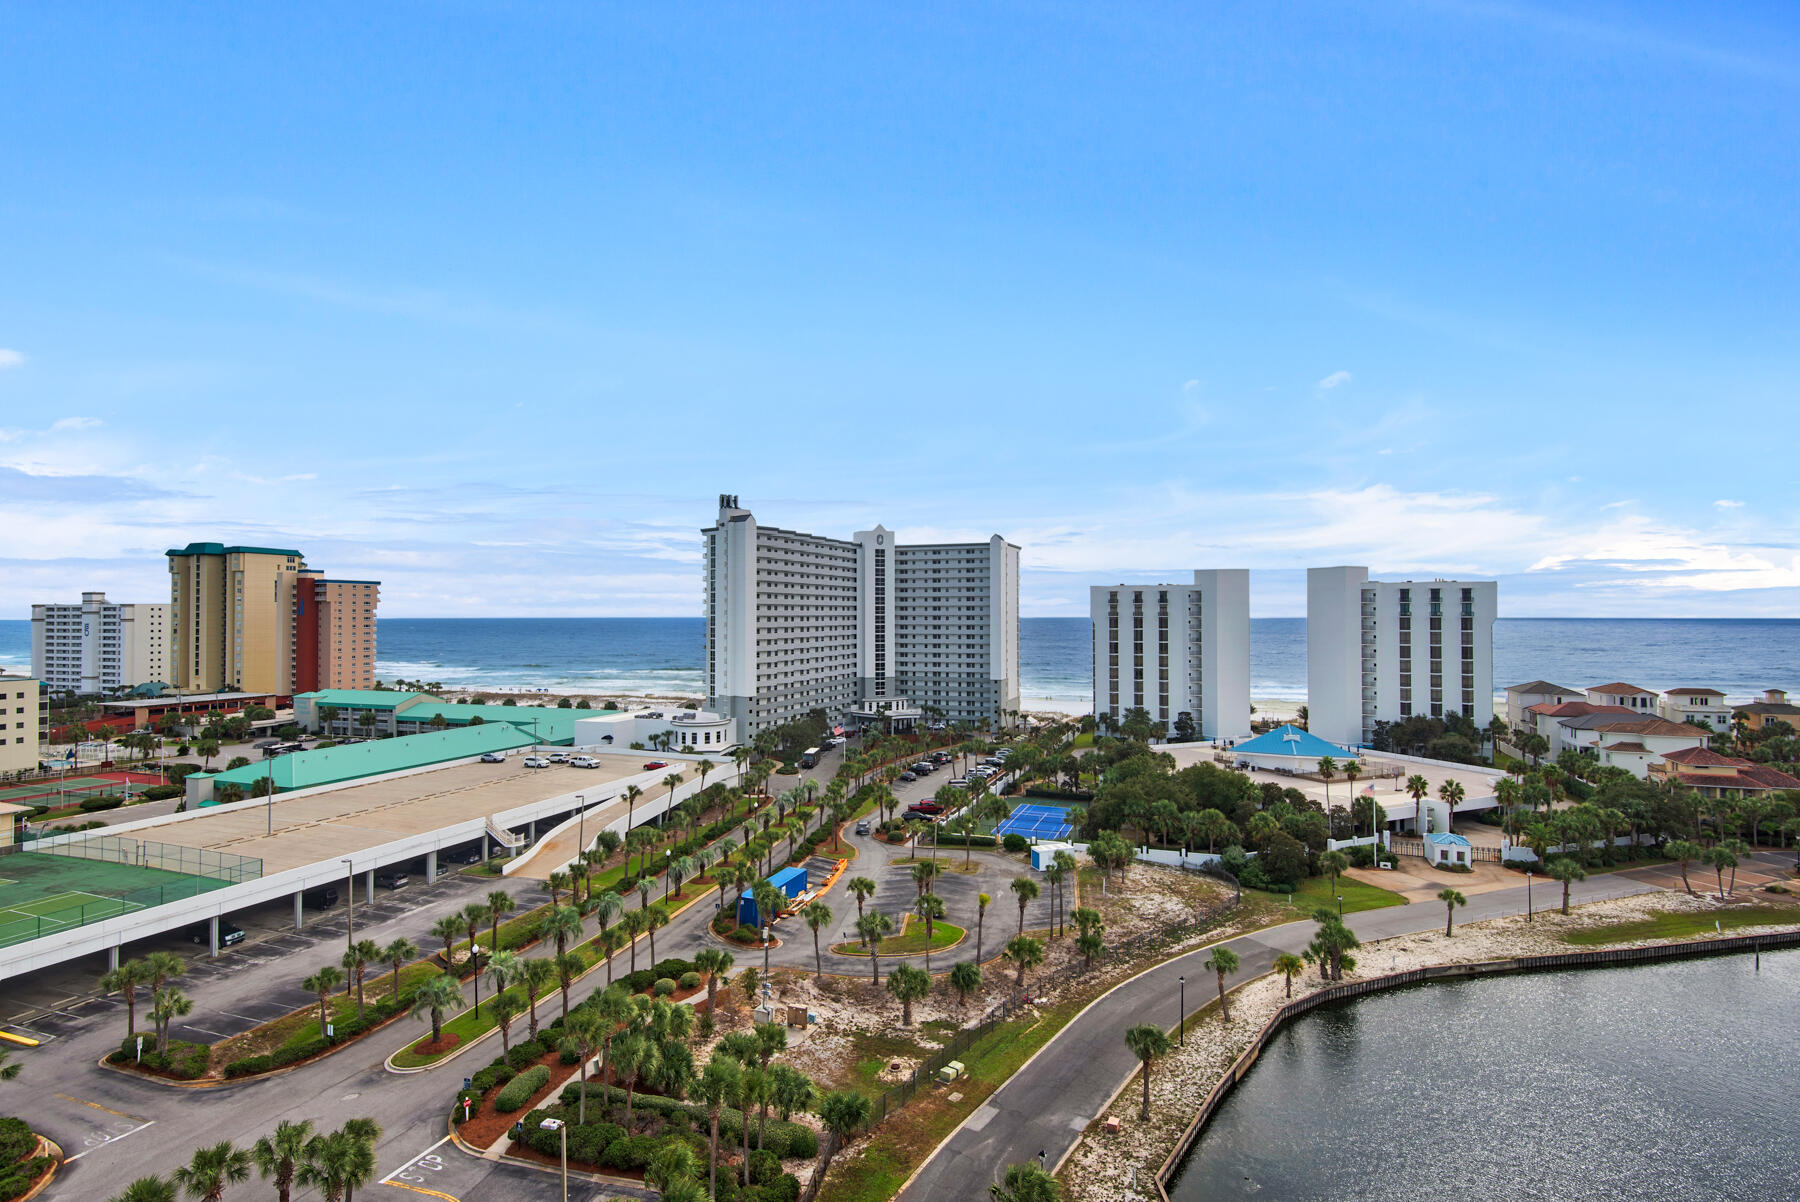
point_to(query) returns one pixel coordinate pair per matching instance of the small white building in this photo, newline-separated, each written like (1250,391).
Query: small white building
(1442,847)
(689,730)
(1626,696)
(1625,741)
(1706,706)
(1521,697)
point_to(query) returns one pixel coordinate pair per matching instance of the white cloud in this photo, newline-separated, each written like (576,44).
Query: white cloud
(10,358)
(1334,379)
(1729,504)
(76,423)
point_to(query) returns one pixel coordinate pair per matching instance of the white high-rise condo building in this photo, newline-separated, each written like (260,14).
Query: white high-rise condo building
(1384,651)
(1175,649)
(800,622)
(99,646)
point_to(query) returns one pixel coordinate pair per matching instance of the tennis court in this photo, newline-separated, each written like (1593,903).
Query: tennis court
(70,791)
(42,894)
(1036,822)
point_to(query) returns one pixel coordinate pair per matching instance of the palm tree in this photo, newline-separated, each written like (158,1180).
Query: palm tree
(1026,890)
(582,1033)
(1025,952)
(1683,852)
(657,919)
(873,927)
(862,888)
(214,1167)
(559,925)
(506,1006)
(1334,862)
(433,997)
(1026,1182)
(278,1155)
(1224,962)
(148,1189)
(1568,872)
(9,1072)
(536,976)
(715,962)
(982,901)
(908,984)
(632,793)
(1451,899)
(1289,965)
(843,1113)
(818,914)
(322,983)
(396,954)
(1146,1042)
(569,965)
(447,929)
(475,915)
(500,903)
(167,1005)
(930,908)
(965,978)
(125,979)
(1327,770)
(671,782)
(635,922)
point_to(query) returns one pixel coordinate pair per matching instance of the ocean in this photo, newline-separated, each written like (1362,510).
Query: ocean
(1739,657)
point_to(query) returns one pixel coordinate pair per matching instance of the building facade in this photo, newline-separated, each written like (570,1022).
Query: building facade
(236,621)
(1705,706)
(99,646)
(24,715)
(1175,649)
(1385,651)
(334,632)
(800,622)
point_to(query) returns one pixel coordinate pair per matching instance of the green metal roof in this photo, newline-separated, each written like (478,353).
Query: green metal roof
(304,769)
(222,549)
(551,725)
(363,699)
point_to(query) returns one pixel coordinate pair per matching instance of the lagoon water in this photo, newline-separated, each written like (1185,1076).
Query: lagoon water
(1666,1083)
(1740,657)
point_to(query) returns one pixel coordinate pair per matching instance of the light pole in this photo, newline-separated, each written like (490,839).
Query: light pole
(562,1132)
(580,823)
(1340,898)
(349,904)
(765,952)
(1181,1040)
(269,803)
(668,853)
(1528,895)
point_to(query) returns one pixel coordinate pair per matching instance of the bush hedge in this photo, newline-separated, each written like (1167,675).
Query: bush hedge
(94,805)
(785,1139)
(19,1169)
(343,1028)
(162,792)
(1014,842)
(188,1061)
(951,839)
(515,1093)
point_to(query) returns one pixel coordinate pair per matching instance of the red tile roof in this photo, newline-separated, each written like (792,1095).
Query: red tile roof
(1575,709)
(1619,686)
(1753,779)
(1637,748)
(1702,756)
(1695,693)
(1653,726)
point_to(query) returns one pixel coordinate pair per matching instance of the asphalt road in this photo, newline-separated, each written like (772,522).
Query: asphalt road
(1048,1104)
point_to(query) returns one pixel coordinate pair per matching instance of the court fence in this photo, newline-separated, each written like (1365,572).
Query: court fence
(202,870)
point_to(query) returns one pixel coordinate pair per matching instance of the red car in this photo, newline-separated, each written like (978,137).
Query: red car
(653,765)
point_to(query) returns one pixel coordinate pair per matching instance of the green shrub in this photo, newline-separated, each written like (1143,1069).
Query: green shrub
(589,1141)
(16,1141)
(487,1078)
(1014,842)
(93,805)
(523,1055)
(664,987)
(161,792)
(631,1152)
(188,1061)
(765,1166)
(690,980)
(518,1091)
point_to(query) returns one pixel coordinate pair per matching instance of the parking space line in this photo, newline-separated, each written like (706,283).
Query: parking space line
(97,1106)
(428,1159)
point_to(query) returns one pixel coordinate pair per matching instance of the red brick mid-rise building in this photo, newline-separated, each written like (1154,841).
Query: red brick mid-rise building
(334,633)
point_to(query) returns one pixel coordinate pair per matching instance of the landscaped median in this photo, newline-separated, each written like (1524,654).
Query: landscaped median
(909,940)
(27,1160)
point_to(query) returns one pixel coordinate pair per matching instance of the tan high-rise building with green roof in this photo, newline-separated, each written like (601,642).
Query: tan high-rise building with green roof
(232,618)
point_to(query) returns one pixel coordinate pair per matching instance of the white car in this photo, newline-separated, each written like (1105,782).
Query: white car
(536,761)
(583,761)
(559,757)
(492,757)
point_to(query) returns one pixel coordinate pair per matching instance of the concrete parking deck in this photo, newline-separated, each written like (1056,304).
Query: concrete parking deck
(324,825)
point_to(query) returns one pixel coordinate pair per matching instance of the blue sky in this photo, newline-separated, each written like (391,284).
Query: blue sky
(490,301)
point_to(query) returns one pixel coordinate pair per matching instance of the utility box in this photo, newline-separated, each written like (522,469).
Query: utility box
(796,1016)
(789,882)
(951,1071)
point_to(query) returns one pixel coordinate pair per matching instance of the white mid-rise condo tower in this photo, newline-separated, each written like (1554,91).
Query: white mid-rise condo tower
(99,646)
(1174,649)
(801,622)
(1384,651)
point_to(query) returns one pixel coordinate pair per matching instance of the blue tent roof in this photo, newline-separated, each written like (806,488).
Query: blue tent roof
(1291,740)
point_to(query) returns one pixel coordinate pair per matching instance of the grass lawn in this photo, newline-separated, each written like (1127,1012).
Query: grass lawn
(909,941)
(1084,739)
(1678,924)
(1315,891)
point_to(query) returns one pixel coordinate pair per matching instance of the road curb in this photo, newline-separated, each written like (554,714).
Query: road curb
(45,1147)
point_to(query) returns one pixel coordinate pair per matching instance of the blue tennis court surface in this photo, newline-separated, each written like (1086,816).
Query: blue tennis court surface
(1036,822)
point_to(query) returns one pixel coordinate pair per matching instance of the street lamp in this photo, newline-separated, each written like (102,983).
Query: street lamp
(1528,895)
(1181,1040)
(668,854)
(269,804)
(562,1133)
(765,951)
(1340,898)
(349,904)
(580,823)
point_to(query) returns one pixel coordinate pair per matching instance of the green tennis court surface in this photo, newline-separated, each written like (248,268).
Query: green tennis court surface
(42,894)
(76,788)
